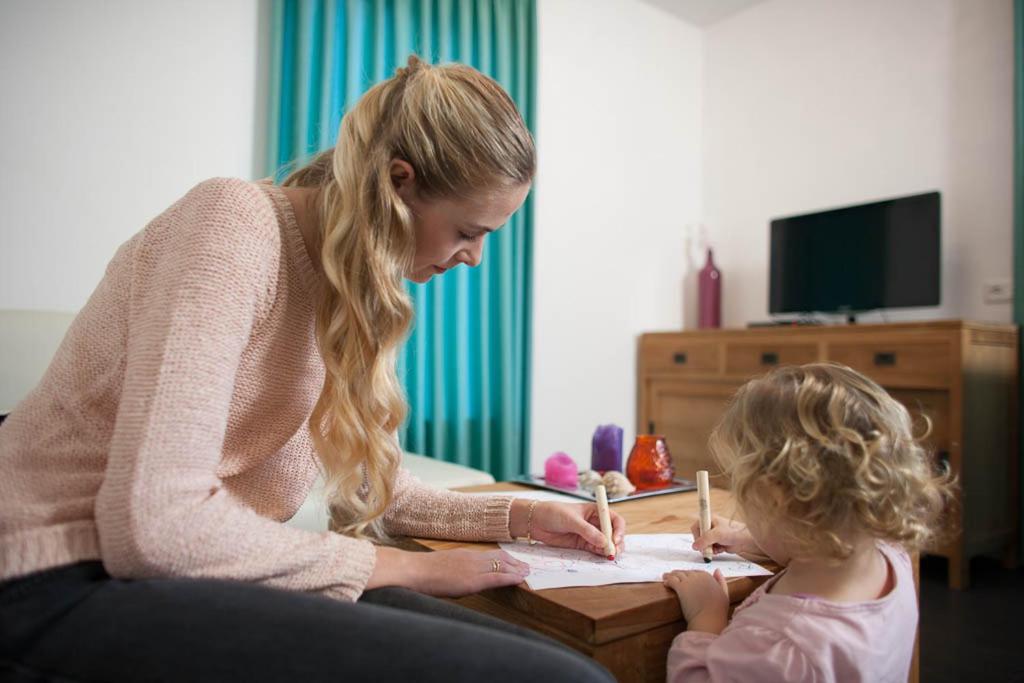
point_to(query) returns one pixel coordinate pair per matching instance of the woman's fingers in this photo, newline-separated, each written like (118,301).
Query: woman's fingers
(512,563)
(496,569)
(599,550)
(588,532)
(497,579)
(618,530)
(500,562)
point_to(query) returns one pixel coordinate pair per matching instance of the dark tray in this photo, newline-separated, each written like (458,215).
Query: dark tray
(680,486)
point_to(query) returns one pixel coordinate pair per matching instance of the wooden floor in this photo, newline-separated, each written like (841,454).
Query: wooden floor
(973,635)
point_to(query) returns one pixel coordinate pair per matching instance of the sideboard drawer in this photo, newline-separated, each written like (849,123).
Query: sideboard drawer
(898,364)
(753,359)
(661,354)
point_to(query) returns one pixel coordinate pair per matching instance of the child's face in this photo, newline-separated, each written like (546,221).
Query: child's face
(763,527)
(761,531)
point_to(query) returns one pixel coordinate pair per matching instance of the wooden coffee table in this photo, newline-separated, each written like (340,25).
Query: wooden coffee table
(626,627)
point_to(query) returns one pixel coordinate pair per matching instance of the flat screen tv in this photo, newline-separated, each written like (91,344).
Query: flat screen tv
(857,258)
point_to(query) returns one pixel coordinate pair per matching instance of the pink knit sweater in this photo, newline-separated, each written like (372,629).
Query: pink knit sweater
(168,436)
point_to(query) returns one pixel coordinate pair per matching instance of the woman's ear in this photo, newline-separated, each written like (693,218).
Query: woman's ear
(403,177)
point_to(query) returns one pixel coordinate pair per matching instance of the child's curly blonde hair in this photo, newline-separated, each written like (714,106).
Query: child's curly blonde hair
(823,454)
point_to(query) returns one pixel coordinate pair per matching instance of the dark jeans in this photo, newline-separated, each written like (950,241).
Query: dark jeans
(76,623)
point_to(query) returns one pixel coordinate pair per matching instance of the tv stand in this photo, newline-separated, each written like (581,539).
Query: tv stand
(851,315)
(786,322)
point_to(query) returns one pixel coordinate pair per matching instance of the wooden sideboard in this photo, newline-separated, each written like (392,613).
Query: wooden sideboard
(961,375)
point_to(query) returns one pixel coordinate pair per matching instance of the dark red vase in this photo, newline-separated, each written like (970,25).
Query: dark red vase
(650,464)
(709,295)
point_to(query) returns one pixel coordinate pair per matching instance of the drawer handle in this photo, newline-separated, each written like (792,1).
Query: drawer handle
(679,359)
(769,358)
(885,359)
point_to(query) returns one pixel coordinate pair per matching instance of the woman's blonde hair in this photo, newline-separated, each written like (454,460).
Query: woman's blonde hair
(462,135)
(821,454)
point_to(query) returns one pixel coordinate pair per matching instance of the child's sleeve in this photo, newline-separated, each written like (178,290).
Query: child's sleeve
(748,653)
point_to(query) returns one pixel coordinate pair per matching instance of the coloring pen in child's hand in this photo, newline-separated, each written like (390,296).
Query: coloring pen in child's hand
(606,521)
(704,498)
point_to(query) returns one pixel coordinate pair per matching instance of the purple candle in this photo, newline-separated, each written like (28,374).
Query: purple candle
(606,449)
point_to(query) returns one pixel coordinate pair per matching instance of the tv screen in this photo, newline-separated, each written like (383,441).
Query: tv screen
(858,258)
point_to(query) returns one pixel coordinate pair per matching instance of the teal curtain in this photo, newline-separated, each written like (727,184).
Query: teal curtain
(466,365)
(1018,233)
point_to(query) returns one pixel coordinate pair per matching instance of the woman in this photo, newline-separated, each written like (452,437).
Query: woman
(240,344)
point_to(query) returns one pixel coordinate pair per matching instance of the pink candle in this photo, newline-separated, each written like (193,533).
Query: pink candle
(560,471)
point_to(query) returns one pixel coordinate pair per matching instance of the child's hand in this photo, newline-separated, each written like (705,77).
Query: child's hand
(725,535)
(703,598)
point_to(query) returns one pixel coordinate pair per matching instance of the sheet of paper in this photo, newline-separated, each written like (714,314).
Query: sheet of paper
(646,558)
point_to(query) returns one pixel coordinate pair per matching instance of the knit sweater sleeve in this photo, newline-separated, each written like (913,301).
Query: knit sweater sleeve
(427,512)
(203,275)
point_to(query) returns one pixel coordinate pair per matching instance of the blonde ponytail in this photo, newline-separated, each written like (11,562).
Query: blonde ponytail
(462,134)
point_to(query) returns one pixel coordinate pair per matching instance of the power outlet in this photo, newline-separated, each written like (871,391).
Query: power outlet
(998,291)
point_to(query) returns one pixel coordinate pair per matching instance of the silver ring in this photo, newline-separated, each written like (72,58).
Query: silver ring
(496,566)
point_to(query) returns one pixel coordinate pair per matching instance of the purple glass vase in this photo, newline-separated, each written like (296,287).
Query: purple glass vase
(709,295)
(606,449)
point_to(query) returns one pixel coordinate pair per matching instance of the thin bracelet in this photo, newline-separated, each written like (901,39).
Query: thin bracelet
(529,523)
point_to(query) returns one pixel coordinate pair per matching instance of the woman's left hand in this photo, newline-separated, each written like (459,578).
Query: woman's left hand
(566,525)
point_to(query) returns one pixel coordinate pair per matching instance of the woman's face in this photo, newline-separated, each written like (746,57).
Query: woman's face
(452,231)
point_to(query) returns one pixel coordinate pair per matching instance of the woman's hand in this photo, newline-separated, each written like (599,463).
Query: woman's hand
(703,598)
(446,573)
(566,525)
(725,535)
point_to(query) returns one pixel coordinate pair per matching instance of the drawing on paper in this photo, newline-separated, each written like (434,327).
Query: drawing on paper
(646,558)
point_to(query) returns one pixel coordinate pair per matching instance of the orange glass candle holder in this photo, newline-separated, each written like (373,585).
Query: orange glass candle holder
(650,464)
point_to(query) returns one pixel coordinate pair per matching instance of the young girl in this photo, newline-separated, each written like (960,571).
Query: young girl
(825,468)
(244,341)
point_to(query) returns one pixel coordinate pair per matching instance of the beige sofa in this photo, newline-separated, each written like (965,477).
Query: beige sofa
(313,513)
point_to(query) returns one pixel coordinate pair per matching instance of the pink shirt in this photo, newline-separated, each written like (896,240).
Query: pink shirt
(807,639)
(168,436)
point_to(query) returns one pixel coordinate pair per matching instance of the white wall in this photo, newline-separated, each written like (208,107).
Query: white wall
(111,111)
(122,106)
(618,131)
(645,124)
(811,104)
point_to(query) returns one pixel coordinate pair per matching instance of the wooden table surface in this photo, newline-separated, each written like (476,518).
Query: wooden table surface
(626,627)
